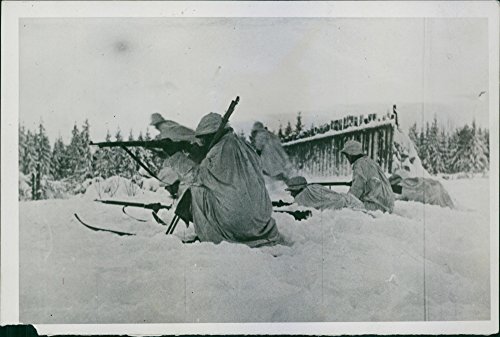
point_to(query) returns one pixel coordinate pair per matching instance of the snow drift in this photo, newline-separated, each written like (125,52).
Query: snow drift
(343,266)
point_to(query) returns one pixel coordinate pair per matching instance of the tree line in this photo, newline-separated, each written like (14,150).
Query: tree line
(442,150)
(41,164)
(465,149)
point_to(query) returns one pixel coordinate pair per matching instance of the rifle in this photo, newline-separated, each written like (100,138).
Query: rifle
(158,143)
(335,183)
(166,144)
(155,207)
(225,119)
(281,203)
(298,215)
(396,188)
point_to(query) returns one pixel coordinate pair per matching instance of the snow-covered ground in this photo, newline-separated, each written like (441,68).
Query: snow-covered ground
(343,266)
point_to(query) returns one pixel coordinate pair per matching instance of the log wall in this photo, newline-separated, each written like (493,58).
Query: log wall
(320,156)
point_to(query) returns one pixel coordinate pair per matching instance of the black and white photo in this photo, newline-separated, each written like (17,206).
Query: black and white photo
(207,166)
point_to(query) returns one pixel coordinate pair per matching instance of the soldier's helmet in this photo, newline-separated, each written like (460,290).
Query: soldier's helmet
(257,126)
(353,148)
(156,119)
(296,183)
(209,124)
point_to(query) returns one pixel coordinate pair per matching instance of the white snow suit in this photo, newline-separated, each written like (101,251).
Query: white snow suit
(371,186)
(229,199)
(320,197)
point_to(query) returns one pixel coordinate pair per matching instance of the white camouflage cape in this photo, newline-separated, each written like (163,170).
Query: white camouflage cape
(229,199)
(175,132)
(275,161)
(425,190)
(320,197)
(371,186)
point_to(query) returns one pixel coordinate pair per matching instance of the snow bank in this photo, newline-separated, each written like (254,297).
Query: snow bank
(343,266)
(112,187)
(405,156)
(24,187)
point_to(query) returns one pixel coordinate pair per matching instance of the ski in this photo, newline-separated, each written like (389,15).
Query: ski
(97,229)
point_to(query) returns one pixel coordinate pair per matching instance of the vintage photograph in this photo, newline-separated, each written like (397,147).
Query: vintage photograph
(254,170)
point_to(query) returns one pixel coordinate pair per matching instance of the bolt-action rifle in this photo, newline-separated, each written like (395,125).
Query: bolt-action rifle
(396,187)
(167,145)
(298,215)
(155,207)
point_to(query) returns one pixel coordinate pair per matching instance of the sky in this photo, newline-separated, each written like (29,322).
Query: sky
(116,72)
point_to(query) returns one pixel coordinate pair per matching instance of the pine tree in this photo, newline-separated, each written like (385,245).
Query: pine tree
(59,160)
(486,141)
(435,159)
(43,150)
(21,147)
(129,163)
(85,163)
(313,129)
(147,156)
(444,150)
(154,162)
(453,145)
(28,154)
(102,160)
(280,133)
(298,124)
(413,134)
(119,161)
(469,154)
(42,162)
(288,130)
(74,152)
(479,151)
(423,148)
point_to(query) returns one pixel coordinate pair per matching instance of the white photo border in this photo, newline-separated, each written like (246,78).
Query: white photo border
(9,276)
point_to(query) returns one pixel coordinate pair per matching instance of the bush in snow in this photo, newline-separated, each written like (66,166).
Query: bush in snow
(150,184)
(115,186)
(24,187)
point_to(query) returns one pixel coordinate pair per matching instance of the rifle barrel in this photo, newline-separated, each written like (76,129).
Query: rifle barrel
(121,203)
(135,143)
(154,206)
(335,183)
(225,119)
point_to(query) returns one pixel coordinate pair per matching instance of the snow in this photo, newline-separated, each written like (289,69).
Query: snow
(411,162)
(331,133)
(343,266)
